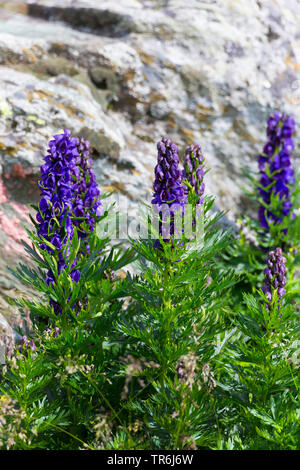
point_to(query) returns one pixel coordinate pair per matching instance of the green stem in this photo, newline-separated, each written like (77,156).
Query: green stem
(167,308)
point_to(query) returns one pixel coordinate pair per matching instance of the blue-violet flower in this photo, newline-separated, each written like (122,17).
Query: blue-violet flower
(276,173)
(193,171)
(275,275)
(168,186)
(69,198)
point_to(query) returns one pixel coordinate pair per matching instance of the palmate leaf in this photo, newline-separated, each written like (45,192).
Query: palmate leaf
(58,418)
(143,335)
(23,273)
(249,326)
(123,258)
(221,343)
(37,309)
(115,260)
(215,241)
(29,275)
(89,263)
(96,271)
(35,279)
(34,254)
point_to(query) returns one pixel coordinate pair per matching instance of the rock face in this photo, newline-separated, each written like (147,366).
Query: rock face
(125,73)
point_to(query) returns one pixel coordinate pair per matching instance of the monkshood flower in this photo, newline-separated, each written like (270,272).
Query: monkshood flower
(58,191)
(276,173)
(69,198)
(193,172)
(275,275)
(168,186)
(87,205)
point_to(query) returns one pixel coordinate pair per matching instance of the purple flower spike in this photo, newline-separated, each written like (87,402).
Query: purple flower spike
(194,172)
(275,275)
(168,186)
(276,173)
(87,204)
(69,198)
(57,190)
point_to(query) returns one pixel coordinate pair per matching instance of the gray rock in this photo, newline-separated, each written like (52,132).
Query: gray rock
(126,73)
(8,338)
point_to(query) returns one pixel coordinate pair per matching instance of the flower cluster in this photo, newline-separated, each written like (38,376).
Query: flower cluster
(69,198)
(276,173)
(275,274)
(87,206)
(26,344)
(168,186)
(58,191)
(194,172)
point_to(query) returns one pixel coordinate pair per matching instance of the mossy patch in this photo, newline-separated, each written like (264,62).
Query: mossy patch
(5,110)
(105,79)
(54,66)
(100,144)
(103,97)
